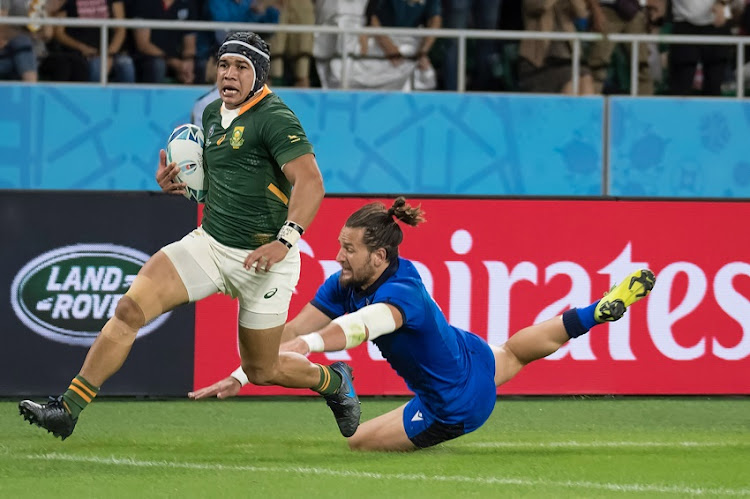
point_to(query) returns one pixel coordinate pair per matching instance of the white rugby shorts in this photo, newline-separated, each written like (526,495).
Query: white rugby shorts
(206,267)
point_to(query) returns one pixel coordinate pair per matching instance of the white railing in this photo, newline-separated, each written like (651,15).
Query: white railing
(461,34)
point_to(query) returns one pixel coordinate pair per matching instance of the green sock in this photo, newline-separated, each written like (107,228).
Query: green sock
(330,381)
(79,394)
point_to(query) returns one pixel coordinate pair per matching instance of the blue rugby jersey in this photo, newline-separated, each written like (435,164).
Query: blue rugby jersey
(433,357)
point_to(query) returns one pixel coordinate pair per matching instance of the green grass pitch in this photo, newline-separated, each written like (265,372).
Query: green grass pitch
(268,448)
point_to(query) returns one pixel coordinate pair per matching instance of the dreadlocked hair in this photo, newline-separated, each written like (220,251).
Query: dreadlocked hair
(381,229)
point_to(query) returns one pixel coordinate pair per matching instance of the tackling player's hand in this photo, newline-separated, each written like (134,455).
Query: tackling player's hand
(228,387)
(165,175)
(297,345)
(266,256)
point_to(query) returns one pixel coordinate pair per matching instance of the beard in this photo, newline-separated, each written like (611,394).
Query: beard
(357,280)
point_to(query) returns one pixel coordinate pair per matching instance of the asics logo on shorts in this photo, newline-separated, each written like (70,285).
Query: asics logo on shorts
(270,293)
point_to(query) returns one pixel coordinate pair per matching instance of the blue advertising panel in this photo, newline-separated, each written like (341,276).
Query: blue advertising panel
(86,137)
(468,144)
(91,137)
(679,147)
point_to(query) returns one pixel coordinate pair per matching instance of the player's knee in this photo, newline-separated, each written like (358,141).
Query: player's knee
(507,363)
(129,312)
(123,327)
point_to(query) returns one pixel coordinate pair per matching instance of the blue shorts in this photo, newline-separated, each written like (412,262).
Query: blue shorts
(425,429)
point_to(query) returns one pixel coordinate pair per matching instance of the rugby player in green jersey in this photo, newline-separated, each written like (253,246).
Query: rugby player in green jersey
(264,189)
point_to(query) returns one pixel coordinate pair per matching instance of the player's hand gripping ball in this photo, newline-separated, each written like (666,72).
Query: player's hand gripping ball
(185,147)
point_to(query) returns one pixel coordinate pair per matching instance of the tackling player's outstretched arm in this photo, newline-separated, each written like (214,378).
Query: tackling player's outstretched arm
(309,319)
(349,330)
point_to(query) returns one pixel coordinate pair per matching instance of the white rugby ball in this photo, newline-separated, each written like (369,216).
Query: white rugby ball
(185,147)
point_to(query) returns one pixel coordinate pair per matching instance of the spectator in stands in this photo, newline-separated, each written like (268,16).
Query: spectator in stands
(206,46)
(407,64)
(162,53)
(54,63)
(699,17)
(16,61)
(245,11)
(17,58)
(546,65)
(483,14)
(242,11)
(85,41)
(656,14)
(620,16)
(293,49)
(506,74)
(383,62)
(328,47)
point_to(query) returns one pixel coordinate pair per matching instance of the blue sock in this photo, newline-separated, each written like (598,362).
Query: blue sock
(586,315)
(578,321)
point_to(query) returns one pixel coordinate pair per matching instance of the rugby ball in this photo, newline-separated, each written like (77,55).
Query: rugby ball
(185,147)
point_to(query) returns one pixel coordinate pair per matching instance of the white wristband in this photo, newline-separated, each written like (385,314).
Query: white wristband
(314,342)
(240,376)
(290,233)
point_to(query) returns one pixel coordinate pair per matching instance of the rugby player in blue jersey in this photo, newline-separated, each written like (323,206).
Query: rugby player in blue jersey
(380,297)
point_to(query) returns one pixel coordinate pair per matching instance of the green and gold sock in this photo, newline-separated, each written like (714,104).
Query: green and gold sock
(79,394)
(330,381)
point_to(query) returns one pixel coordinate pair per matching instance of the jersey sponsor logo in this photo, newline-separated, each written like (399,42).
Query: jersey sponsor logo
(417,416)
(221,140)
(236,141)
(270,293)
(293,138)
(69,293)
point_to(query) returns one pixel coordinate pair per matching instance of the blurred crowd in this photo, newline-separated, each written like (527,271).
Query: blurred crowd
(59,53)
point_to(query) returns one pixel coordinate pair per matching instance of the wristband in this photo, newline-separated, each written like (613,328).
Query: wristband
(314,342)
(290,233)
(240,376)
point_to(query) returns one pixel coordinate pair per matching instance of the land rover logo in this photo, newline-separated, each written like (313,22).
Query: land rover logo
(67,294)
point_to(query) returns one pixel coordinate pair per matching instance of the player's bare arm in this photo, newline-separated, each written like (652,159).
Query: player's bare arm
(143,43)
(308,320)
(165,175)
(307,194)
(349,331)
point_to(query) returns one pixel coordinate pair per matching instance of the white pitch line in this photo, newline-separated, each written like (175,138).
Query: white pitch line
(411,477)
(596,445)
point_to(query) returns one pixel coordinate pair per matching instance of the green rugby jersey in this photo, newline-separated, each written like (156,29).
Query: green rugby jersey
(248,194)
